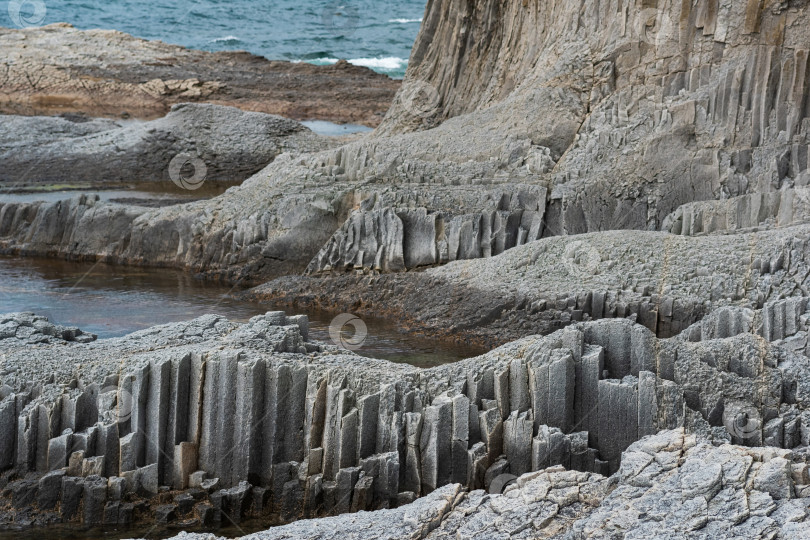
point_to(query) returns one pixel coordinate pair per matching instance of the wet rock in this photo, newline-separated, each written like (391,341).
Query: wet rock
(50,490)
(95,499)
(205,513)
(165,513)
(72,493)
(24,492)
(185,503)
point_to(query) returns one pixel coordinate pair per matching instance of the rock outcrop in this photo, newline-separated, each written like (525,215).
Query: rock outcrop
(60,69)
(257,420)
(397,239)
(671,486)
(227,144)
(622,180)
(662,281)
(782,208)
(624,112)
(645,106)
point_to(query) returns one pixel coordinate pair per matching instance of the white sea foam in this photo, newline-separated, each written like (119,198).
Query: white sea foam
(225,39)
(404,21)
(389,63)
(317,61)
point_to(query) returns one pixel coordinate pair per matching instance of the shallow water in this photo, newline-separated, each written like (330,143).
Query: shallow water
(115,195)
(77,532)
(113,301)
(377,34)
(330,129)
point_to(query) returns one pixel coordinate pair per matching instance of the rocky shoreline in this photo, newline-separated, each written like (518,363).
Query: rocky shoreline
(614,194)
(103,73)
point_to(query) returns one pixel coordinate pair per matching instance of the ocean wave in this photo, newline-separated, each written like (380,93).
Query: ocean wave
(317,61)
(404,21)
(226,39)
(390,63)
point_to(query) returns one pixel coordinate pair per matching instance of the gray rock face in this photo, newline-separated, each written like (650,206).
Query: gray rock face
(645,106)
(671,377)
(257,405)
(232,145)
(756,210)
(624,113)
(671,485)
(664,282)
(384,239)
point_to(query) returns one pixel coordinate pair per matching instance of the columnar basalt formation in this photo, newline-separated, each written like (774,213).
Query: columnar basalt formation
(257,420)
(625,112)
(682,101)
(664,282)
(669,373)
(672,485)
(396,239)
(782,208)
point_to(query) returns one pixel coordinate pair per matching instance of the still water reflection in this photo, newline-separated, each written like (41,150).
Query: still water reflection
(113,301)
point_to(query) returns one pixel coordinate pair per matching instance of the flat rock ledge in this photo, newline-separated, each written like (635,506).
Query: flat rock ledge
(598,430)
(60,69)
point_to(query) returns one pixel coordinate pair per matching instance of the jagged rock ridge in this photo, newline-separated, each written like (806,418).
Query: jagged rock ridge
(251,411)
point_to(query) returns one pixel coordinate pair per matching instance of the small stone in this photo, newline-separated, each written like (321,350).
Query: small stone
(165,513)
(210,485)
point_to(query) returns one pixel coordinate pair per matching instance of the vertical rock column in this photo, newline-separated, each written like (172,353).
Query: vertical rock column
(436,444)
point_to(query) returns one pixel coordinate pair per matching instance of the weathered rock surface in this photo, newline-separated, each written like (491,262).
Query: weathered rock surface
(645,106)
(57,68)
(230,145)
(623,112)
(664,282)
(671,485)
(257,412)
(32,329)
(395,239)
(782,208)
(670,378)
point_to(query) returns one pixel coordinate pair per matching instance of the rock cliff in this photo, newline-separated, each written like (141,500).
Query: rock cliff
(623,181)
(625,112)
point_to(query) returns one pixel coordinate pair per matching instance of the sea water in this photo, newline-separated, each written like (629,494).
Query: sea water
(112,301)
(377,34)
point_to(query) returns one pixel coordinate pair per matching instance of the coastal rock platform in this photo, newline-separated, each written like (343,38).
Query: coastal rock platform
(227,144)
(60,69)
